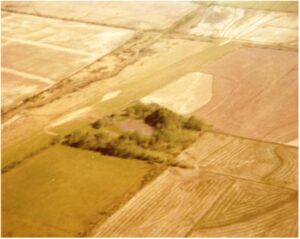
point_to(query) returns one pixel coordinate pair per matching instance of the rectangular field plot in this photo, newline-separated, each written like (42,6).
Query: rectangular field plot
(40,61)
(251,25)
(254,94)
(64,191)
(255,98)
(182,203)
(16,87)
(145,15)
(83,39)
(168,207)
(261,162)
(49,50)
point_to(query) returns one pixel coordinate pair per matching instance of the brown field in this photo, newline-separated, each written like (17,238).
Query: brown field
(134,125)
(146,15)
(254,95)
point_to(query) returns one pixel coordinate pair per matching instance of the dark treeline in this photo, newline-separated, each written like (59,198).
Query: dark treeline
(172,133)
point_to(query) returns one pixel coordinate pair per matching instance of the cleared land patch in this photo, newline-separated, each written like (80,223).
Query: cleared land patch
(65,191)
(184,95)
(254,94)
(134,125)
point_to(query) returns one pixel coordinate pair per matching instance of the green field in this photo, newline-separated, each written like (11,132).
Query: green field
(65,191)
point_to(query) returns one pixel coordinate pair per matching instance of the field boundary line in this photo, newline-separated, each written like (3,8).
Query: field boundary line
(50,46)
(246,179)
(225,192)
(72,20)
(27,75)
(252,139)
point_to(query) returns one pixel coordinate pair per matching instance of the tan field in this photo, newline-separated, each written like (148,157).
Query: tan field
(261,109)
(86,153)
(48,42)
(149,15)
(222,87)
(236,188)
(257,161)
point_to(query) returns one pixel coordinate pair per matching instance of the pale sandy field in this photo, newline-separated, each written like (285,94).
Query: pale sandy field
(48,50)
(255,26)
(137,15)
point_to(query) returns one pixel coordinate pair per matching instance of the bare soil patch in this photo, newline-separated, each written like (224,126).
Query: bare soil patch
(134,125)
(184,95)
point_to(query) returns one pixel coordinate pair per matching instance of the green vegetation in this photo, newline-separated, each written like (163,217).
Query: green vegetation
(172,133)
(65,191)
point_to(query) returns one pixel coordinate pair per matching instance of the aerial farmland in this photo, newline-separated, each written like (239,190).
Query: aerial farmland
(149,119)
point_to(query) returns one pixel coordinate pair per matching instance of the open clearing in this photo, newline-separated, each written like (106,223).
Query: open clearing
(134,125)
(240,189)
(184,95)
(252,25)
(65,191)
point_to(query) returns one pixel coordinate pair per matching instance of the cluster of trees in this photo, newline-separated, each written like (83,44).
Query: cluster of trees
(172,133)
(126,145)
(160,117)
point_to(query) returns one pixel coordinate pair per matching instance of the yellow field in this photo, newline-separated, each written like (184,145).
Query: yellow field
(65,191)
